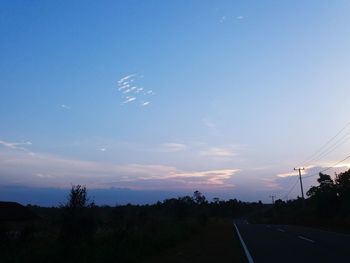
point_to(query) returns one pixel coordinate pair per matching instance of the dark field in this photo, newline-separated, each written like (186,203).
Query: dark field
(217,242)
(185,229)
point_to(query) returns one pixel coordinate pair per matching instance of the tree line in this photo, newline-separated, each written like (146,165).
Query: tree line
(81,231)
(327,204)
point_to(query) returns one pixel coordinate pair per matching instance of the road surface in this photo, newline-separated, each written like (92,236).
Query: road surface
(286,243)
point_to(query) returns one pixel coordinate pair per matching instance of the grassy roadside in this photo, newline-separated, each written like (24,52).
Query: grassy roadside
(217,242)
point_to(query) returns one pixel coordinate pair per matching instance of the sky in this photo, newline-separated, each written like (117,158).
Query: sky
(145,100)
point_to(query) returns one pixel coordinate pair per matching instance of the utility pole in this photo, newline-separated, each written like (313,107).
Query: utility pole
(301,181)
(273,198)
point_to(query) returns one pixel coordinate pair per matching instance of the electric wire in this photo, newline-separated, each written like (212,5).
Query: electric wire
(312,175)
(290,190)
(328,168)
(321,149)
(329,150)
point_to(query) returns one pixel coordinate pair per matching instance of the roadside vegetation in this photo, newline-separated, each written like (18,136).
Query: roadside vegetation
(327,205)
(80,231)
(216,242)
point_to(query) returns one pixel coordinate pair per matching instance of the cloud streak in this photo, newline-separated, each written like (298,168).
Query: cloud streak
(211,177)
(224,18)
(129,99)
(219,152)
(15,145)
(172,147)
(41,170)
(316,168)
(63,106)
(124,80)
(130,91)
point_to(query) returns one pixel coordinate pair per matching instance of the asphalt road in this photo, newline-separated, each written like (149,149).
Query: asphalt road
(285,243)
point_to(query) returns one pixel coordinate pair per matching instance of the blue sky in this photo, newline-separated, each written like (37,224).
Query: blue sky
(220,96)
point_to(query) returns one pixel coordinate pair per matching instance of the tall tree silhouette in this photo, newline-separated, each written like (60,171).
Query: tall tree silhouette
(78,217)
(325,195)
(343,188)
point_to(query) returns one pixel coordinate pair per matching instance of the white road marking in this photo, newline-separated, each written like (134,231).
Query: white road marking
(305,238)
(249,257)
(281,230)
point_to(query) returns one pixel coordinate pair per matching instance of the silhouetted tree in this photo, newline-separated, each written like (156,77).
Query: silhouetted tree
(77,197)
(216,200)
(343,189)
(325,195)
(78,216)
(199,198)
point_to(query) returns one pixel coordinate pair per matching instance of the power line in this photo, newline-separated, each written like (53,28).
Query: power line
(312,175)
(321,152)
(310,158)
(333,147)
(290,190)
(328,168)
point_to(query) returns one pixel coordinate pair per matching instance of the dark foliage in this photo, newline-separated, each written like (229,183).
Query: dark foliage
(327,205)
(79,231)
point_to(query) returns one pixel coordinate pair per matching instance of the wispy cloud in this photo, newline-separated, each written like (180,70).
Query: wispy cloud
(44,170)
(271,183)
(172,147)
(63,106)
(129,99)
(130,91)
(222,19)
(211,177)
(15,145)
(44,175)
(287,174)
(218,152)
(225,18)
(125,80)
(316,168)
